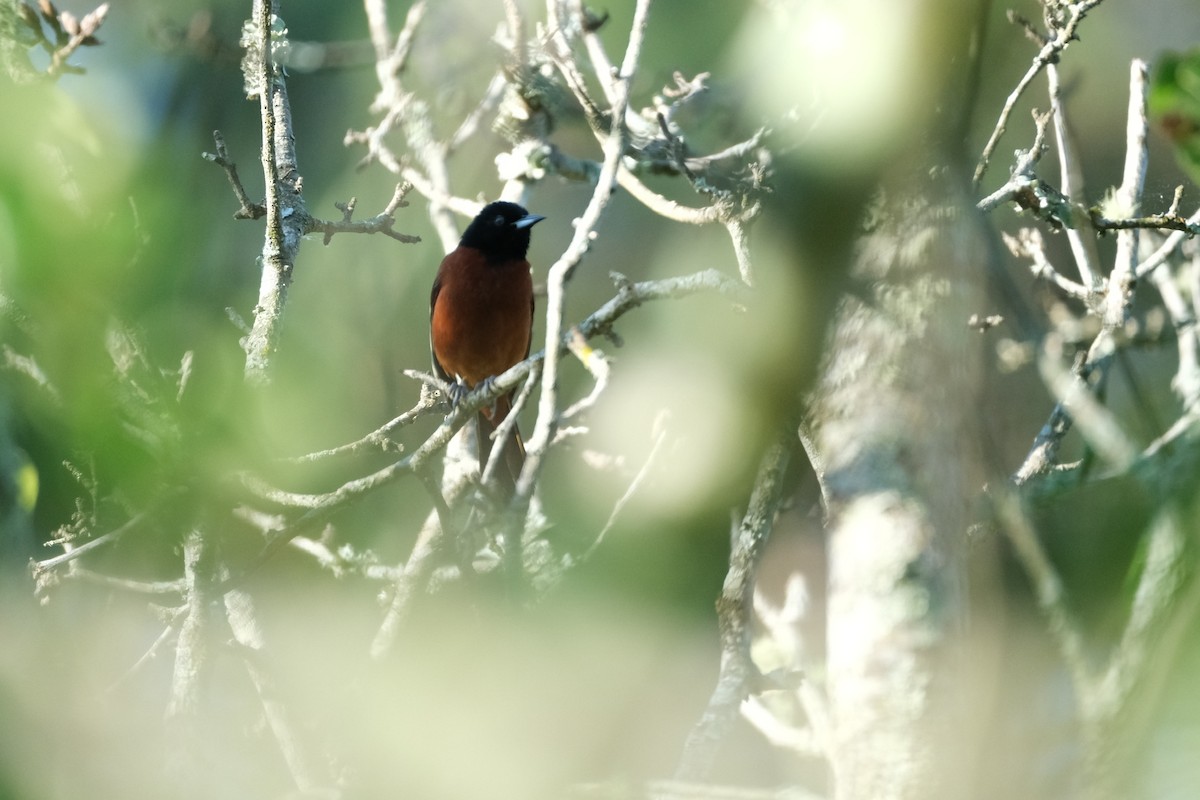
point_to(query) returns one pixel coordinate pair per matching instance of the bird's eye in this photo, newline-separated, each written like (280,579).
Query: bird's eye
(498,221)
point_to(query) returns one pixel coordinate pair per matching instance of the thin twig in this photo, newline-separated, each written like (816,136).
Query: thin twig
(176,617)
(1186,382)
(381,223)
(659,429)
(507,427)
(1097,424)
(248,633)
(193,652)
(412,580)
(82,32)
(600,322)
(1119,292)
(738,675)
(595,362)
(112,536)
(561,271)
(176,586)
(1029,244)
(1153,222)
(1047,586)
(1118,295)
(341,565)
(247,209)
(1049,52)
(1071,180)
(380,437)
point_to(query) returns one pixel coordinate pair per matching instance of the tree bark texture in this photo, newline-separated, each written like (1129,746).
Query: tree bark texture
(892,417)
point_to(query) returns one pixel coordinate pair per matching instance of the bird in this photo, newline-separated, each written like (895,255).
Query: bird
(481,320)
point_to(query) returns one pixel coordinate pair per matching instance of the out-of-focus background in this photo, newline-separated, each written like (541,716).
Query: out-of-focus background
(117,244)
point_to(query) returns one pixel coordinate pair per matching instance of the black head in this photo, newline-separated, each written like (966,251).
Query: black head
(501,231)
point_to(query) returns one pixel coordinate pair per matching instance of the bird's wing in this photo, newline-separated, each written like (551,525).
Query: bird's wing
(433,296)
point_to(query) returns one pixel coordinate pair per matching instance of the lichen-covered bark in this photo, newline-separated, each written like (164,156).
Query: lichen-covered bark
(892,417)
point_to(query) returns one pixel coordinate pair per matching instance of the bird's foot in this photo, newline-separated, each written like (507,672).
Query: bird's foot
(486,384)
(458,390)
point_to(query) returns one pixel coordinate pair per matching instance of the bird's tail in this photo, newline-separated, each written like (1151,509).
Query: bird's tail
(512,457)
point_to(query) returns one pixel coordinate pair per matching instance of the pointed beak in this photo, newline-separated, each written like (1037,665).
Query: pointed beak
(527,221)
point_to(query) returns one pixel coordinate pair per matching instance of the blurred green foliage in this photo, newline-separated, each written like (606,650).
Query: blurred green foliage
(1175,106)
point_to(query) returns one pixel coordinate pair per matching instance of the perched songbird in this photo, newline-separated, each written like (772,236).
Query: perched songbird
(481,317)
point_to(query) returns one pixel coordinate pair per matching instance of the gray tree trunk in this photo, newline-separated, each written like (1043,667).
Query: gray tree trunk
(893,419)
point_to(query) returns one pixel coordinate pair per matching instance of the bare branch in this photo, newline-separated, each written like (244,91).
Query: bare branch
(413,579)
(340,563)
(193,653)
(248,633)
(381,223)
(380,438)
(739,676)
(1047,586)
(1071,179)
(80,32)
(40,567)
(1050,52)
(1186,382)
(600,322)
(1030,192)
(561,270)
(1030,244)
(1154,222)
(1119,292)
(28,366)
(658,430)
(284,205)
(595,362)
(126,584)
(247,209)
(151,652)
(507,427)
(1118,295)
(1097,424)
